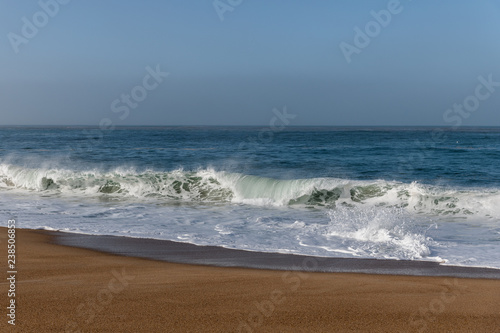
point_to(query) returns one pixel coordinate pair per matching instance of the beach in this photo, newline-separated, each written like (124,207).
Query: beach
(61,288)
(250,166)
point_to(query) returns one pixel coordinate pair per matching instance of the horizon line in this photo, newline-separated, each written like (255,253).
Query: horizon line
(289,126)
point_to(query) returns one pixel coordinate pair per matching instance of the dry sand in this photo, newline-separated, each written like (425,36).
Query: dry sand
(66,289)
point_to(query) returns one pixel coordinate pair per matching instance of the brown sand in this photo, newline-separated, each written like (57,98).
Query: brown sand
(64,289)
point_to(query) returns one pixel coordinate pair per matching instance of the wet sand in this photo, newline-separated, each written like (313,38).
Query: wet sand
(186,253)
(69,289)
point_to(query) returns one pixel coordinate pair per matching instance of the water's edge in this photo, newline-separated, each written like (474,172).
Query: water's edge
(176,252)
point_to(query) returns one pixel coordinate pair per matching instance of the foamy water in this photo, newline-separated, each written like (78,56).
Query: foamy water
(252,204)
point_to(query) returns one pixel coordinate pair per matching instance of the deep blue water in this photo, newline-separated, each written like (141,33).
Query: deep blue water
(468,157)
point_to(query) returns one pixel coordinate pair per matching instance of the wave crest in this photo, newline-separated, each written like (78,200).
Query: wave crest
(208,185)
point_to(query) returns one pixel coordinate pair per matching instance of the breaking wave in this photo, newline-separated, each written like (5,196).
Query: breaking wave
(208,185)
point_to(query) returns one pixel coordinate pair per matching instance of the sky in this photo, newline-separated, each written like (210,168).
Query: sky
(232,62)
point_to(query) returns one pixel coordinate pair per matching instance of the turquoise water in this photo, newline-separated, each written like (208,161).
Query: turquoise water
(400,193)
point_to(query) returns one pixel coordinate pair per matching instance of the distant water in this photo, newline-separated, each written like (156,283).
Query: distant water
(400,193)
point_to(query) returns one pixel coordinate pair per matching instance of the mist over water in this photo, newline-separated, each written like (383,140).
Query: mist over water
(343,192)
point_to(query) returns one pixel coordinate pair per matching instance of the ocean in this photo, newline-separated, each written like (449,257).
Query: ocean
(401,193)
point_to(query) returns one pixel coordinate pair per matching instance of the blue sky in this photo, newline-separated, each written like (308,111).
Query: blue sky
(264,54)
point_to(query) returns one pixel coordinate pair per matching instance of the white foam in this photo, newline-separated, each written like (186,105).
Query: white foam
(208,185)
(344,218)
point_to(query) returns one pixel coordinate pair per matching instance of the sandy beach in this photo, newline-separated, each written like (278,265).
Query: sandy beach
(68,289)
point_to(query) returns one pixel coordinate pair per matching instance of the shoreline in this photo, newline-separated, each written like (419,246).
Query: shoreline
(69,289)
(186,253)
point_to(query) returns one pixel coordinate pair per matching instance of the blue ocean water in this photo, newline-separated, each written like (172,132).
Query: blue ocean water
(398,193)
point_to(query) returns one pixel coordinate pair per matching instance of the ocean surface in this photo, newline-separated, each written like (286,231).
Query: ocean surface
(394,193)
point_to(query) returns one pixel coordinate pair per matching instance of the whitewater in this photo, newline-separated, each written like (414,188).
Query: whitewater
(293,195)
